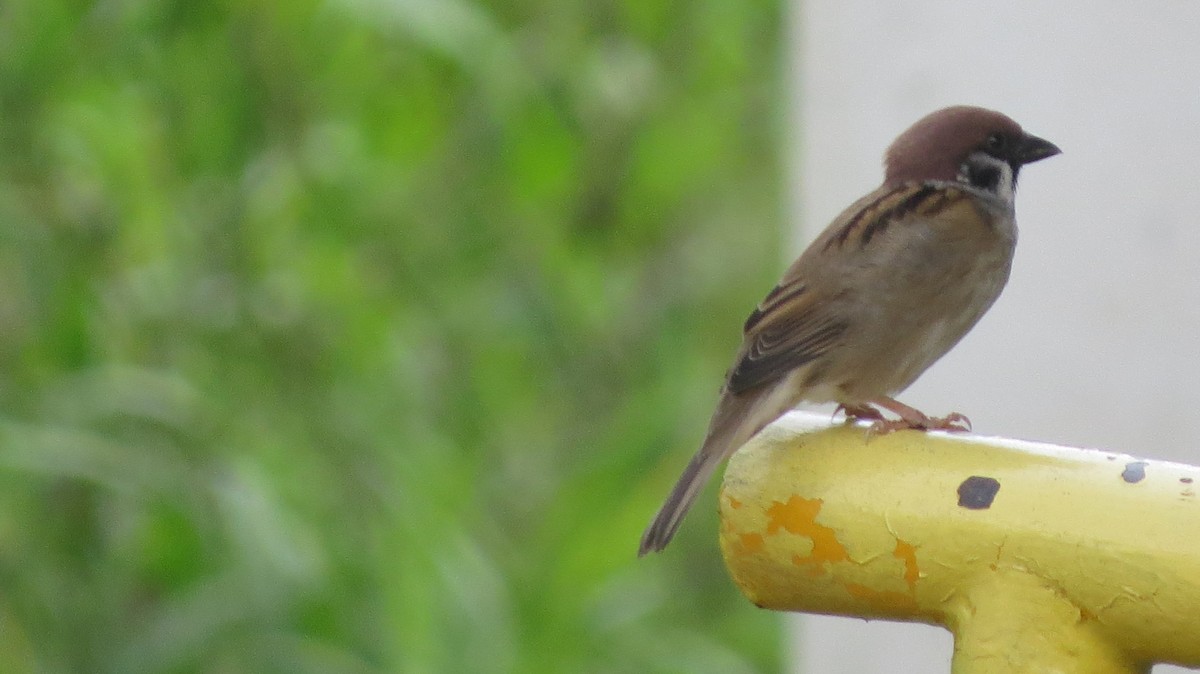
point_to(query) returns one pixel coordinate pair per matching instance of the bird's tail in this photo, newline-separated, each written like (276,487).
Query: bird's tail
(736,420)
(664,525)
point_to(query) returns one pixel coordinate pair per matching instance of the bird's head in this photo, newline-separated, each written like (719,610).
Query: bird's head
(979,147)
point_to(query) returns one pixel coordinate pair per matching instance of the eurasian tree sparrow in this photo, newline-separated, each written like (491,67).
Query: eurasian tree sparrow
(887,289)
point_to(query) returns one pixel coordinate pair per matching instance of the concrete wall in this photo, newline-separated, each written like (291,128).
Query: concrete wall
(1096,341)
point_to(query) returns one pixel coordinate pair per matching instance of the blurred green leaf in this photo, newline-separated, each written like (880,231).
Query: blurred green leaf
(366,335)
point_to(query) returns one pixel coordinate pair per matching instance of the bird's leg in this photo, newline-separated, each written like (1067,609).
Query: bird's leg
(857,412)
(910,417)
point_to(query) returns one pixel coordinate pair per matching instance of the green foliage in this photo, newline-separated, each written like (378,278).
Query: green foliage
(366,335)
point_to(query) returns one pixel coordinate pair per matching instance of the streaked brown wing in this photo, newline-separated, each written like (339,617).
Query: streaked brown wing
(790,328)
(795,324)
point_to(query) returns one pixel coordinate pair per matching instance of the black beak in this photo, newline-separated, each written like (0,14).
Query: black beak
(1034,149)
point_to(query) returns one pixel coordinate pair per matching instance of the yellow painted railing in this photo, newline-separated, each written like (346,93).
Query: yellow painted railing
(1038,558)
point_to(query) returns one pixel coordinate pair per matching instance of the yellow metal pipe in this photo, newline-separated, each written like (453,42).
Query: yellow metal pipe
(1038,558)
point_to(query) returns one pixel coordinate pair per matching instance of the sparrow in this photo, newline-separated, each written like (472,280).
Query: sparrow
(886,290)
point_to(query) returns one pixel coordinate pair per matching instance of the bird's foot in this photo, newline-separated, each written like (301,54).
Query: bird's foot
(912,418)
(953,422)
(859,413)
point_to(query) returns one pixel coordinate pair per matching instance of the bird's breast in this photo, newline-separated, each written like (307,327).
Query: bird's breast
(914,299)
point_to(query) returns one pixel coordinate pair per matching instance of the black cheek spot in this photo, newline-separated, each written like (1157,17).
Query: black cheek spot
(1135,471)
(1185,480)
(986,178)
(977,493)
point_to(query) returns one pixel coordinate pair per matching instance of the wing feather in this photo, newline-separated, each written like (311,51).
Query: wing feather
(796,323)
(789,329)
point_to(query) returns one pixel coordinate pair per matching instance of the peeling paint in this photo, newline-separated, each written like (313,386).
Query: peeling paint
(799,516)
(908,552)
(814,568)
(751,543)
(1072,561)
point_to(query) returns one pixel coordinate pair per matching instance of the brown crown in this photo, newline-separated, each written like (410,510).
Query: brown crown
(935,147)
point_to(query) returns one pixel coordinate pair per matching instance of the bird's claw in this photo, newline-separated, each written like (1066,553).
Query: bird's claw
(953,423)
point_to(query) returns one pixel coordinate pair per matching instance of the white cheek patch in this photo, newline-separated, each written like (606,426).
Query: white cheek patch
(1005,186)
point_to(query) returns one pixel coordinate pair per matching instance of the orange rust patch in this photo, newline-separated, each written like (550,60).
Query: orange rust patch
(750,543)
(897,602)
(908,552)
(799,516)
(734,503)
(813,568)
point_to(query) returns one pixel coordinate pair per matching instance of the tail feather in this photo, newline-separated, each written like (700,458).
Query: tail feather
(737,419)
(664,525)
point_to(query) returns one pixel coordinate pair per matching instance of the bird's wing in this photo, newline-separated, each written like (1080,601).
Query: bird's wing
(791,327)
(797,322)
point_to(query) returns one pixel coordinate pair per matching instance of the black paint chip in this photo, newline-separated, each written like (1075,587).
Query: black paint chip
(977,493)
(1135,471)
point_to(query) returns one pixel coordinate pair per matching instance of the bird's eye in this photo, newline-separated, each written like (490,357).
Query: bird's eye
(996,142)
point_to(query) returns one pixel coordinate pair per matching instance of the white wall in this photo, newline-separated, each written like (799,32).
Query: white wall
(1095,340)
